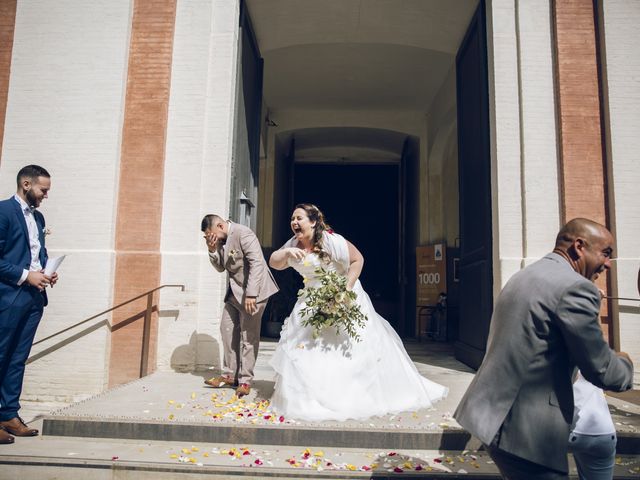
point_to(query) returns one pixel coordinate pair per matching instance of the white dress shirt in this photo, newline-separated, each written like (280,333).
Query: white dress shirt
(591,414)
(34,240)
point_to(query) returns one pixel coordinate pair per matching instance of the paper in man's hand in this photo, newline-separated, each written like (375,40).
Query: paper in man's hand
(53,264)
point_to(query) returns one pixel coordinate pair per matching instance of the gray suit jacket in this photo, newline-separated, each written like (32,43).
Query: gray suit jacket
(545,323)
(242,258)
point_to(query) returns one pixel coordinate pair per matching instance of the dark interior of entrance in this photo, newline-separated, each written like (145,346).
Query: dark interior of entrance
(361,203)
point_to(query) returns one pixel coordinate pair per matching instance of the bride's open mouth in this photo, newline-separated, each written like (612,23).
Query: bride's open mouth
(296,230)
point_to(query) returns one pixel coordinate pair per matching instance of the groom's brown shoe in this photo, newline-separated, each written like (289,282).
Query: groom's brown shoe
(5,438)
(17,427)
(243,389)
(221,381)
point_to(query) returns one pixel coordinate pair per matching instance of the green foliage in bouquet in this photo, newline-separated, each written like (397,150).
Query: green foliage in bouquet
(331,305)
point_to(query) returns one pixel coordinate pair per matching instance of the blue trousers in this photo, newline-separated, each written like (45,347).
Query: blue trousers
(18,325)
(595,455)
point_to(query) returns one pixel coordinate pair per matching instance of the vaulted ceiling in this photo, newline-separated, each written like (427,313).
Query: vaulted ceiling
(357,54)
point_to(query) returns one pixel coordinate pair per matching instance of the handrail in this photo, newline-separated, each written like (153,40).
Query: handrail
(146,332)
(623,298)
(106,311)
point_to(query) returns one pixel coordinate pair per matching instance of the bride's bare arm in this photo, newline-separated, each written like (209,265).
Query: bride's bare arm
(278,259)
(356,262)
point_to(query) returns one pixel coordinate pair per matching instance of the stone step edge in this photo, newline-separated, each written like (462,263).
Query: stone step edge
(225,471)
(255,434)
(447,439)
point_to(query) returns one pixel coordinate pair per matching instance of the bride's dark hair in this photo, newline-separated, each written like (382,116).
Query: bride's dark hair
(316,215)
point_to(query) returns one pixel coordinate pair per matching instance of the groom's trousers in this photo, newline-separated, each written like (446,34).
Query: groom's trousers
(240,339)
(18,325)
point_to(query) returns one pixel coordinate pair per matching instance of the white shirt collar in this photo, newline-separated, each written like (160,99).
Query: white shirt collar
(23,205)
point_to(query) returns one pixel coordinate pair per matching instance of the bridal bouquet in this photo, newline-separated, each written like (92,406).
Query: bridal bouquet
(331,305)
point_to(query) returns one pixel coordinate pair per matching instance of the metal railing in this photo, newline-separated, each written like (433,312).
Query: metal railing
(146,329)
(623,298)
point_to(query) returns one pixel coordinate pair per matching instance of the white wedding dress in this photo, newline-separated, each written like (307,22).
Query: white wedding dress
(336,378)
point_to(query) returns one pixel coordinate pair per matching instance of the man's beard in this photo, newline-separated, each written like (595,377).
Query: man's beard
(32,200)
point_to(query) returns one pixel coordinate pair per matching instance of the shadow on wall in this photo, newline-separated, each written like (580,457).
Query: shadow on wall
(201,354)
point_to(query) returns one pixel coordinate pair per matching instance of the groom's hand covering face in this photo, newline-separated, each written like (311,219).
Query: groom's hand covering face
(211,239)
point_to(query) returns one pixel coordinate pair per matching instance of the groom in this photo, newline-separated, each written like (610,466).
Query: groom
(22,291)
(235,248)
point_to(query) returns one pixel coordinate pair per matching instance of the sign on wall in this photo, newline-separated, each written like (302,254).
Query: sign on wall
(431,273)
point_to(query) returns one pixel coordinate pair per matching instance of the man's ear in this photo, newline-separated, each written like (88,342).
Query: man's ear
(577,248)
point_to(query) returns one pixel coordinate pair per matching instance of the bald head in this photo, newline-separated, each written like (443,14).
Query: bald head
(586,245)
(580,228)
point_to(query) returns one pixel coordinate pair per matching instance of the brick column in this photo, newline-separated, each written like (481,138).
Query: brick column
(583,171)
(140,195)
(7,28)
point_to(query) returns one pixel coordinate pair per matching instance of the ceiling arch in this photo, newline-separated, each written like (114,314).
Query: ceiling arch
(437,25)
(357,54)
(346,144)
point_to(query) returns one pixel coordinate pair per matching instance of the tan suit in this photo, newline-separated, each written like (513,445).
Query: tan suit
(249,276)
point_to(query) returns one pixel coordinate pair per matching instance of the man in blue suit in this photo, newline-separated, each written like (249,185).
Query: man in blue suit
(23,257)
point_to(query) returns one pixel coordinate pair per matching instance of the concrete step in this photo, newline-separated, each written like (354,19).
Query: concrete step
(78,458)
(179,407)
(148,429)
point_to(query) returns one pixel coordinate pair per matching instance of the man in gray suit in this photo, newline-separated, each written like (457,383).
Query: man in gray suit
(235,248)
(544,324)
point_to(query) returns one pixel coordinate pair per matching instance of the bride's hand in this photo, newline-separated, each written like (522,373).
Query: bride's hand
(295,253)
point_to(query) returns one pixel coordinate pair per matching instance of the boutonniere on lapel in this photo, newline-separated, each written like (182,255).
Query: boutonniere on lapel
(47,231)
(232,254)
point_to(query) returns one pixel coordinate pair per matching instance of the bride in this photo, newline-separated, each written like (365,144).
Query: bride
(334,377)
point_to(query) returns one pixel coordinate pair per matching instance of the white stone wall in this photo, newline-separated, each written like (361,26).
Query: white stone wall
(620,20)
(64,112)
(442,166)
(197,176)
(525,189)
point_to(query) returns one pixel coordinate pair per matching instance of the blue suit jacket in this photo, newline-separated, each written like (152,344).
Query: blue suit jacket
(15,251)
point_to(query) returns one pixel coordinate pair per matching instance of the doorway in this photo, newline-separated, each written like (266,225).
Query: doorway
(338,77)
(360,202)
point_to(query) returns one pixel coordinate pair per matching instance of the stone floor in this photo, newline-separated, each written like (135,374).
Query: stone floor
(183,427)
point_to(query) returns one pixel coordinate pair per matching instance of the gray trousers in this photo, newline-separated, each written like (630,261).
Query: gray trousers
(516,468)
(240,340)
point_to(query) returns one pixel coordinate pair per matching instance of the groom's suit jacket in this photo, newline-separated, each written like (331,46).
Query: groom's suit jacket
(242,258)
(544,324)
(15,250)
